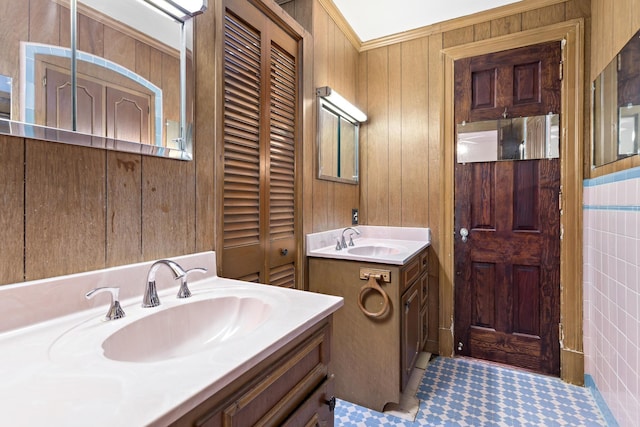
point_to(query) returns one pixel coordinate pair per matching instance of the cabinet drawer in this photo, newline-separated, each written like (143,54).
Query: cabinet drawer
(410,273)
(274,396)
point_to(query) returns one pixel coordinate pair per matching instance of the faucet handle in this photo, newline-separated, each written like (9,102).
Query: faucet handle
(115,311)
(184,291)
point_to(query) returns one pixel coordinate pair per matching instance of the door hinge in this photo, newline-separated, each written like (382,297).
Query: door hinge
(561,70)
(44,81)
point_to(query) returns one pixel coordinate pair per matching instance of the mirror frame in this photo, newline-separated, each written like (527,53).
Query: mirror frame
(607,113)
(325,105)
(185,139)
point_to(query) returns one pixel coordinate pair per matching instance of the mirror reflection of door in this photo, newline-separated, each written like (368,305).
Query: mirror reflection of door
(102,109)
(507,265)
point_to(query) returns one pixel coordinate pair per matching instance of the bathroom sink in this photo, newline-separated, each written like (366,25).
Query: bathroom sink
(177,328)
(186,329)
(377,250)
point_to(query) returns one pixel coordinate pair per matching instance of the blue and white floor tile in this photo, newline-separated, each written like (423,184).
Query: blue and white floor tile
(466,392)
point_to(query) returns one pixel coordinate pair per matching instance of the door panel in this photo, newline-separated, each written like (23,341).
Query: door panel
(507,272)
(127,116)
(518,82)
(260,133)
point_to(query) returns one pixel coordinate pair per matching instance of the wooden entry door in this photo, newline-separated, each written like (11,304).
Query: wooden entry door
(507,282)
(507,269)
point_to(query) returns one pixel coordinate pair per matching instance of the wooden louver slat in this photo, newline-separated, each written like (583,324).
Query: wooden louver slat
(283,275)
(282,144)
(241,134)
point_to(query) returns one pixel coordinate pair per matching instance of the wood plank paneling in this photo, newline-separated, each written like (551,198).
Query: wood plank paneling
(124,209)
(458,36)
(506,25)
(207,84)
(396,137)
(482,31)
(10,46)
(12,207)
(336,64)
(64,209)
(544,16)
(168,208)
(377,205)
(414,127)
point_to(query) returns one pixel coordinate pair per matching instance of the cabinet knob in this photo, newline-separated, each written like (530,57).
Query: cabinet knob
(284,251)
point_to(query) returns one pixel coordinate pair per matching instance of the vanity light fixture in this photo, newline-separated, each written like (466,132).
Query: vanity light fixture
(180,10)
(338,101)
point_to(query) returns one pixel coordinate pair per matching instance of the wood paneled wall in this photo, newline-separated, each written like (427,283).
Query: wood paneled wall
(402,86)
(68,209)
(327,204)
(613,24)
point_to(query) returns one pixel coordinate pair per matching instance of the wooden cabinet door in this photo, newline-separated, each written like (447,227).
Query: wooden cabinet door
(517,83)
(260,147)
(410,326)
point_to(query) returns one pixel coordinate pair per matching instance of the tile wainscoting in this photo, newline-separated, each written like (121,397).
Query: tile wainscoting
(611,290)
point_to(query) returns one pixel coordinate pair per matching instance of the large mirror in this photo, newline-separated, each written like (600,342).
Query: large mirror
(616,106)
(111,74)
(520,138)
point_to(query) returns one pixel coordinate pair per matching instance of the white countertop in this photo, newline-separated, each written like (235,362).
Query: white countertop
(50,379)
(388,245)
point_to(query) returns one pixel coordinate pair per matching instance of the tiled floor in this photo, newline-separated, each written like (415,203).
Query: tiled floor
(466,392)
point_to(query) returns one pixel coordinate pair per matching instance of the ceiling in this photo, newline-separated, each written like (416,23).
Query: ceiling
(372,19)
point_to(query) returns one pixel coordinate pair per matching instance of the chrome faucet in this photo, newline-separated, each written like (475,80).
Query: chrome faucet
(343,242)
(115,310)
(151,298)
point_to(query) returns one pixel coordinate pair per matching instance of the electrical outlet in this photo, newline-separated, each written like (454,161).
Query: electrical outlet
(354,216)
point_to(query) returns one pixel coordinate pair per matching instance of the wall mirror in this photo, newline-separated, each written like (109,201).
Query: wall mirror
(521,138)
(338,133)
(111,74)
(616,106)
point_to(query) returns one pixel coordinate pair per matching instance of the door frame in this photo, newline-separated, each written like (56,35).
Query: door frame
(571,180)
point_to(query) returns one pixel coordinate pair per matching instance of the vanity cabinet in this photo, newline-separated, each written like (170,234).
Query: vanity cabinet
(293,387)
(373,357)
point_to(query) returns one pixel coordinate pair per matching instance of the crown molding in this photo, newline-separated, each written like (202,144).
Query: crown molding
(454,24)
(342,23)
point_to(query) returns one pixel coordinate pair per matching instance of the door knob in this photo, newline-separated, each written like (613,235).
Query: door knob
(464,233)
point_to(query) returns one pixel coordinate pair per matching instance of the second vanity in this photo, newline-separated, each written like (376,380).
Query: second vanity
(234,353)
(383,325)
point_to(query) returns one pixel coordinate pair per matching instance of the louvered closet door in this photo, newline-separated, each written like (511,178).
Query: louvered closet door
(260,116)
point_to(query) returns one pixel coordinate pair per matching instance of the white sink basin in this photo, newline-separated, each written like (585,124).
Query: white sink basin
(185,329)
(377,250)
(177,328)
